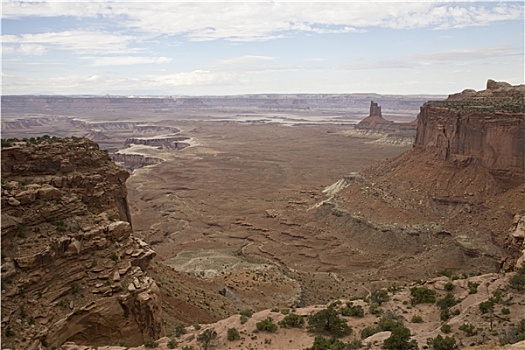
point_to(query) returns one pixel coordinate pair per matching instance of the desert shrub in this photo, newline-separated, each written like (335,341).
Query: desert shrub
(322,343)
(207,339)
(243,319)
(445,272)
(248,313)
(327,321)
(444,314)
(197,326)
(292,321)
(352,311)
(187,347)
(388,323)
(275,309)
(266,325)
(416,319)
(505,311)
(447,301)
(486,306)
(518,280)
(375,309)
(368,331)
(400,340)
(233,334)
(440,343)
(422,295)
(449,286)
(379,296)
(151,344)
(172,344)
(472,287)
(468,329)
(180,330)
(446,328)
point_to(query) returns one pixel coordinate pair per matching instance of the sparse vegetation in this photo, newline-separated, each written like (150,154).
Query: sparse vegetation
(352,310)
(472,287)
(233,334)
(207,339)
(417,319)
(327,321)
(468,329)
(518,280)
(422,295)
(442,343)
(172,344)
(400,340)
(292,321)
(266,325)
(379,296)
(151,344)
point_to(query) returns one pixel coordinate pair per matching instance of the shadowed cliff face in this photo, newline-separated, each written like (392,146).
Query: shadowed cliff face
(71,267)
(486,127)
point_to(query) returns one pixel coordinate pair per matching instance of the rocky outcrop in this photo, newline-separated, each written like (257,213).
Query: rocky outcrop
(166,143)
(134,161)
(71,268)
(487,127)
(385,131)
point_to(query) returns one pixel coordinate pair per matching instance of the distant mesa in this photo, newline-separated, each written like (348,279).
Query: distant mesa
(375,120)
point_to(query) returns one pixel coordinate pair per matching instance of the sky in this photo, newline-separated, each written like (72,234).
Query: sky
(226,48)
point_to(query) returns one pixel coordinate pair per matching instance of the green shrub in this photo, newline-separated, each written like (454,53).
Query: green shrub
(446,272)
(243,319)
(233,334)
(327,321)
(486,306)
(422,295)
(207,339)
(151,344)
(472,287)
(440,343)
(416,319)
(449,286)
(446,328)
(172,344)
(369,331)
(505,311)
(180,330)
(248,313)
(352,311)
(468,329)
(379,296)
(447,301)
(197,327)
(266,325)
(399,340)
(292,321)
(518,280)
(322,343)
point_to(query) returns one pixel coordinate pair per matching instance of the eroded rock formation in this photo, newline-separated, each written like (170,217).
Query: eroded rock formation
(487,127)
(71,268)
(385,131)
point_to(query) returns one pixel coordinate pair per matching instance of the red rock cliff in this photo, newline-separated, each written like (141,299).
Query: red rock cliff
(71,268)
(487,127)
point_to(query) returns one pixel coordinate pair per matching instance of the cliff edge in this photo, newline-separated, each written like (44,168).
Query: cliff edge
(71,268)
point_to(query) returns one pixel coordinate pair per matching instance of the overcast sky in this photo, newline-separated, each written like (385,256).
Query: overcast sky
(224,48)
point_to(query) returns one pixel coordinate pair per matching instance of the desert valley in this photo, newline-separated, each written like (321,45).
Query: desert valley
(169,222)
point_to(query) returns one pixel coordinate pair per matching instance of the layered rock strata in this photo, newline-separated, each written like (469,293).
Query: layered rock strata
(486,126)
(71,268)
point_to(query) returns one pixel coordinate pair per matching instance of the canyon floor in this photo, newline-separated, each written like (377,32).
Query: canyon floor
(234,208)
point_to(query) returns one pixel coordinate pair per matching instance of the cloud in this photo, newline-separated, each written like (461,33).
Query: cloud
(246,59)
(78,41)
(467,54)
(126,60)
(258,21)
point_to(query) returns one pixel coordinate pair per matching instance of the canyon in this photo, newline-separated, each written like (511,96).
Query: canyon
(287,208)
